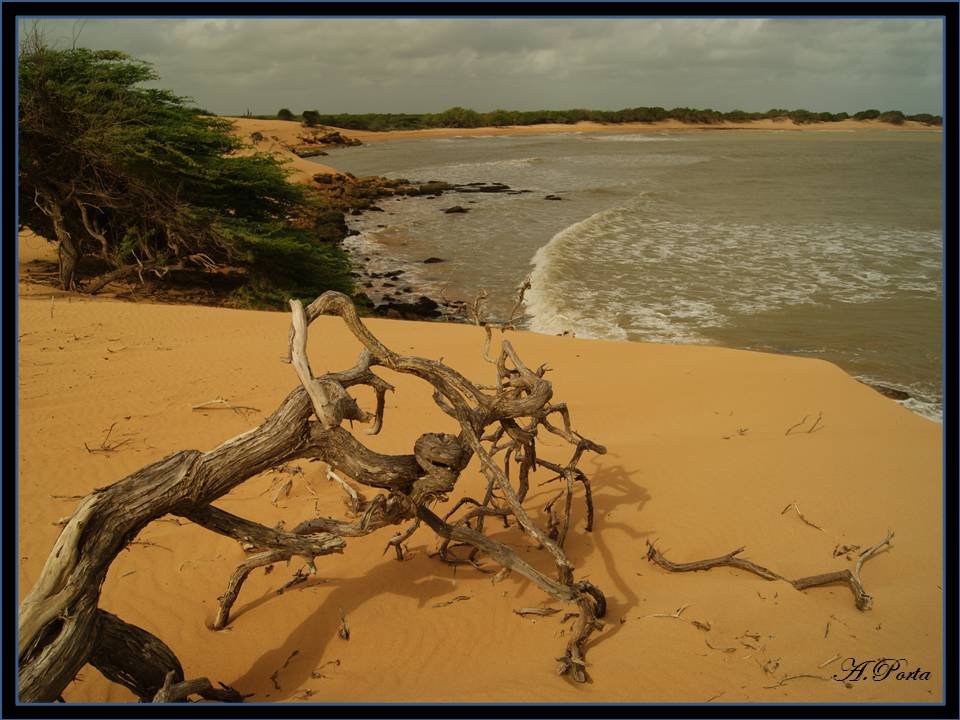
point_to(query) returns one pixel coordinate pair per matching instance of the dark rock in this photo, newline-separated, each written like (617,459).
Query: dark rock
(430,260)
(456,209)
(480,187)
(423,308)
(368,284)
(424,302)
(887,391)
(434,187)
(387,284)
(306,152)
(374,208)
(356,211)
(553,197)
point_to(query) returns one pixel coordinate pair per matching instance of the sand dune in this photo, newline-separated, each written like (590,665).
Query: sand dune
(698,460)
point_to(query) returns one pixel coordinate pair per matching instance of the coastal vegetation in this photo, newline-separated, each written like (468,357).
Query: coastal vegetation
(460,117)
(132,182)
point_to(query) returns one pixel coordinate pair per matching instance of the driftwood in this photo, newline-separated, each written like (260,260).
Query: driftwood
(861,599)
(61,626)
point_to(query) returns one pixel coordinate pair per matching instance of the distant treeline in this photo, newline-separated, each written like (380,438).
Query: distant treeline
(459,117)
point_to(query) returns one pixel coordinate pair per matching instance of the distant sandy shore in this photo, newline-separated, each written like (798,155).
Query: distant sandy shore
(280,132)
(699,460)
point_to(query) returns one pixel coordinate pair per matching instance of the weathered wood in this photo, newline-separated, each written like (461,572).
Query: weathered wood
(132,657)
(61,627)
(862,600)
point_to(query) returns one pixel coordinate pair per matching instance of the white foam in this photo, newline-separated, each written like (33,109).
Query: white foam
(634,138)
(929,410)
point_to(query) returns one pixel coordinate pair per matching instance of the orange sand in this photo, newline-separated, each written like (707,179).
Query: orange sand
(698,460)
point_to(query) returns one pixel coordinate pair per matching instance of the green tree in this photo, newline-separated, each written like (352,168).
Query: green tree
(311,118)
(284,114)
(133,181)
(458,117)
(894,117)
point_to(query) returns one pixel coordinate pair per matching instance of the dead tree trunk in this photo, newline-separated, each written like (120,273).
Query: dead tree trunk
(68,250)
(61,627)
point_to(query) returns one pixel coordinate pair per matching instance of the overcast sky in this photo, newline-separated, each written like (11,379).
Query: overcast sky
(425,65)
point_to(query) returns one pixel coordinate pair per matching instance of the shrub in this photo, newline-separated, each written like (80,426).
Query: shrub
(136,178)
(894,117)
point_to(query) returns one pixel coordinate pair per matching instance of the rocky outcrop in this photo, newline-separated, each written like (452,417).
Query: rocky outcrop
(423,309)
(306,151)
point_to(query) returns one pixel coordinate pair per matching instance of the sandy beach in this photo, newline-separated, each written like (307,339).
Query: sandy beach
(699,461)
(279,135)
(289,131)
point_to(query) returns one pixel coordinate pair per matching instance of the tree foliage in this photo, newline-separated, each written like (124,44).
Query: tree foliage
(137,180)
(311,118)
(460,117)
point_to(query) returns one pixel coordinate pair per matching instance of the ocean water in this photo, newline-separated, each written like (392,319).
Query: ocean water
(826,244)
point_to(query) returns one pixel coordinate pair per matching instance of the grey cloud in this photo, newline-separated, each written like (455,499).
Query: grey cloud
(423,65)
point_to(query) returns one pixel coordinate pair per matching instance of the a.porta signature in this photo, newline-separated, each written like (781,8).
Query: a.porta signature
(879,670)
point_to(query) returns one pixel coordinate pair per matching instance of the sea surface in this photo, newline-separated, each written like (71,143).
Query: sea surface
(824,244)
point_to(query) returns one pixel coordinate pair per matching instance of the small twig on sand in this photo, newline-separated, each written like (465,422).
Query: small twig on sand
(536,611)
(276,673)
(827,662)
(797,508)
(344,630)
(284,491)
(105,446)
(298,577)
(221,403)
(813,428)
(793,677)
(675,614)
(815,423)
(316,674)
(721,649)
(796,425)
(458,598)
(147,543)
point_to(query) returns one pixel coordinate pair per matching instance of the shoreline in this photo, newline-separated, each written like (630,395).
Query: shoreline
(454,311)
(288,130)
(32,248)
